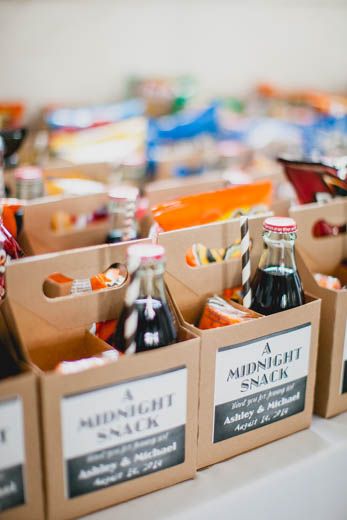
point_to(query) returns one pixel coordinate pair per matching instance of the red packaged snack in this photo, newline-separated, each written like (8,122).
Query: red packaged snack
(9,250)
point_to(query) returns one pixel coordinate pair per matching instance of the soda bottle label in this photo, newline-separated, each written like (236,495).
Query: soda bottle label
(123,431)
(260,382)
(344,365)
(12,454)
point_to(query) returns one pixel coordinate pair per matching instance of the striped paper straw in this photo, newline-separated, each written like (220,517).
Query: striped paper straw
(246,263)
(131,314)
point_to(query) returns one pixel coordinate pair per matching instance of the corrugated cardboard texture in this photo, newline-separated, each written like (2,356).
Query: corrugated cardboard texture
(323,255)
(51,329)
(190,287)
(26,387)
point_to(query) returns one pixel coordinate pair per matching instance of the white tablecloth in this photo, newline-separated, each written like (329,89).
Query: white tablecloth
(301,477)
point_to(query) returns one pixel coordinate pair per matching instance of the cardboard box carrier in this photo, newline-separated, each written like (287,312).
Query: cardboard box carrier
(113,432)
(324,255)
(256,378)
(38,237)
(21,481)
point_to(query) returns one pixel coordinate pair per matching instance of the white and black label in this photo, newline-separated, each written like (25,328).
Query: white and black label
(12,454)
(344,365)
(124,431)
(260,382)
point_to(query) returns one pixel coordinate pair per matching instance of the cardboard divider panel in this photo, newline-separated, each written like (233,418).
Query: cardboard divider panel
(38,237)
(191,286)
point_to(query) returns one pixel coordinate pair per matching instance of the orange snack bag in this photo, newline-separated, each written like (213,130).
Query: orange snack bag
(219,313)
(234,294)
(207,207)
(9,208)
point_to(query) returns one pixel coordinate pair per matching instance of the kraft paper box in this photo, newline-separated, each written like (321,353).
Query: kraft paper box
(324,255)
(113,432)
(38,237)
(256,378)
(21,486)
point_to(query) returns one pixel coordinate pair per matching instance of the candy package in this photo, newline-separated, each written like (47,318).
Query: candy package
(78,118)
(219,313)
(108,143)
(71,367)
(199,254)
(163,95)
(314,181)
(11,114)
(114,276)
(213,206)
(63,221)
(328,282)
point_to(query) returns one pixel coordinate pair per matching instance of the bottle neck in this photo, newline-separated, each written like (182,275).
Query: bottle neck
(122,217)
(152,281)
(278,253)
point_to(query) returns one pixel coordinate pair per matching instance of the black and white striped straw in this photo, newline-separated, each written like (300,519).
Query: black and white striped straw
(246,263)
(131,313)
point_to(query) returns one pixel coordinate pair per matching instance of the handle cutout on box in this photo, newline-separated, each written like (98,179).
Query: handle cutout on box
(322,228)
(63,221)
(200,255)
(58,285)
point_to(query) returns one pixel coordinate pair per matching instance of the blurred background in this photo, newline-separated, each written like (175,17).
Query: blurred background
(83,50)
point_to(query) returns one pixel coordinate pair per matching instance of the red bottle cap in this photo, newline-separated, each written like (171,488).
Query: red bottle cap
(28,173)
(280,224)
(145,252)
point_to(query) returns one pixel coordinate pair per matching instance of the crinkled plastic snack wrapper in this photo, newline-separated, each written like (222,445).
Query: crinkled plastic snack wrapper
(219,313)
(9,250)
(204,208)
(71,367)
(115,276)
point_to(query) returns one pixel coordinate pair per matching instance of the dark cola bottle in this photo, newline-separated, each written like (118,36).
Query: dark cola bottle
(156,325)
(276,285)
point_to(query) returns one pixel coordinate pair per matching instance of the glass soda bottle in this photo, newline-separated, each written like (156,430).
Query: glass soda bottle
(122,211)
(156,325)
(276,285)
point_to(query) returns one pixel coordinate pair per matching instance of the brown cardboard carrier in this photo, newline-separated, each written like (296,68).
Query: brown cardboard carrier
(323,255)
(190,287)
(24,386)
(38,237)
(50,330)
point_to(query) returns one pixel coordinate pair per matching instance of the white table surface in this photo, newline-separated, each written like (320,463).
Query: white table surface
(301,477)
